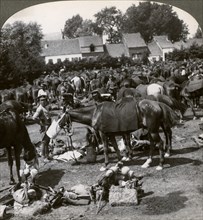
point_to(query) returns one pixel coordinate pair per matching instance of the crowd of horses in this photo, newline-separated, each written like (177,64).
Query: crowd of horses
(142,101)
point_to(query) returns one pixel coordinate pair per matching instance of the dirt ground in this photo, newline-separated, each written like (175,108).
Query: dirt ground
(175,193)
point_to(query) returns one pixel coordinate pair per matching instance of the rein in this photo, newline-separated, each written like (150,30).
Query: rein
(68,127)
(69,132)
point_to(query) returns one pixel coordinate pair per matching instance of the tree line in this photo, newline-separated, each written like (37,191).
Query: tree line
(147,18)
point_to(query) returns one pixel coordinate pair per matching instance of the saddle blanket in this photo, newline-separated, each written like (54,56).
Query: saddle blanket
(118,117)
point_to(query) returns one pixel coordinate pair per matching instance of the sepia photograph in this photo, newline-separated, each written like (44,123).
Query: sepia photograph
(101,110)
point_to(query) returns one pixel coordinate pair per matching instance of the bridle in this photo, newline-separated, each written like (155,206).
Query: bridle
(68,127)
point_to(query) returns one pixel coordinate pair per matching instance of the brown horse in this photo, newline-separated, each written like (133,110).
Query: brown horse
(191,95)
(178,107)
(14,134)
(111,119)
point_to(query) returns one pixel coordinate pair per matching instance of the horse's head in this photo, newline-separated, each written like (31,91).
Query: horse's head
(65,122)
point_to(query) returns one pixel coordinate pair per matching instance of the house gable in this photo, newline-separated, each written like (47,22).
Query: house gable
(115,50)
(134,40)
(163,42)
(60,47)
(91,44)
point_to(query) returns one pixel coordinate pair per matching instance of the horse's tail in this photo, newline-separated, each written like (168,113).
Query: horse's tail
(170,118)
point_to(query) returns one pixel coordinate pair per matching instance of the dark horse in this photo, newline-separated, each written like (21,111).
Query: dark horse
(111,119)
(14,134)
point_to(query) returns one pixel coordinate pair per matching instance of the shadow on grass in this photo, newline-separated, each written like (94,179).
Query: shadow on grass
(173,162)
(159,205)
(50,177)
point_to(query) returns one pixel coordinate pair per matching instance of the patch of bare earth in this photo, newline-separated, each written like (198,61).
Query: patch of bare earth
(175,193)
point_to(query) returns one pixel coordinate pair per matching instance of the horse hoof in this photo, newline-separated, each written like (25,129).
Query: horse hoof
(166,155)
(145,165)
(128,159)
(103,169)
(124,159)
(159,168)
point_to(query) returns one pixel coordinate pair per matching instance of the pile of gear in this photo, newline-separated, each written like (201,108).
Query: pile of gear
(117,186)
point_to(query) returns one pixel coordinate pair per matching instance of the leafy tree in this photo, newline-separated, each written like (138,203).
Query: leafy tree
(198,33)
(109,21)
(72,25)
(154,19)
(192,52)
(87,29)
(20,48)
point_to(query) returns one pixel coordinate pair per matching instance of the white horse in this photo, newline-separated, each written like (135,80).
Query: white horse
(155,89)
(78,84)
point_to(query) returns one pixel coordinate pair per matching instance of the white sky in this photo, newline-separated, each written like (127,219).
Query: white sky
(52,16)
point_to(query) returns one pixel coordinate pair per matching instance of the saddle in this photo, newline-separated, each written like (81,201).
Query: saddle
(195,85)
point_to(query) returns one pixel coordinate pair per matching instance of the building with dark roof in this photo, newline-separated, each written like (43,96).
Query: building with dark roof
(115,50)
(72,49)
(91,46)
(61,49)
(135,45)
(155,52)
(159,47)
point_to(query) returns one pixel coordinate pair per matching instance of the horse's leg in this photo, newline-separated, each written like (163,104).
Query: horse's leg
(106,158)
(168,136)
(10,164)
(151,150)
(17,152)
(129,154)
(157,139)
(190,103)
(115,146)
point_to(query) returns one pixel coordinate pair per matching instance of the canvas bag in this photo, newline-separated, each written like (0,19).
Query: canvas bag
(54,128)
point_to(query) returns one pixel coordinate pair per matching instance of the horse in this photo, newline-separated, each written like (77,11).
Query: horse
(95,84)
(110,119)
(14,134)
(6,94)
(79,84)
(23,95)
(21,107)
(191,93)
(171,102)
(155,89)
(180,88)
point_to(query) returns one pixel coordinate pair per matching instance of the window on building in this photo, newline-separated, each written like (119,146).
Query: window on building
(92,48)
(136,56)
(50,61)
(58,60)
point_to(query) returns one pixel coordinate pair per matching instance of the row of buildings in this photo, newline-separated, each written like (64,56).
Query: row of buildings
(133,45)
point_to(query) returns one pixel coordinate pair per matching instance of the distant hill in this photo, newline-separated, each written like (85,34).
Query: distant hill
(53,36)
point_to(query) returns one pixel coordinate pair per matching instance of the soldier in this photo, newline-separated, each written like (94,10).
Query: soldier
(42,116)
